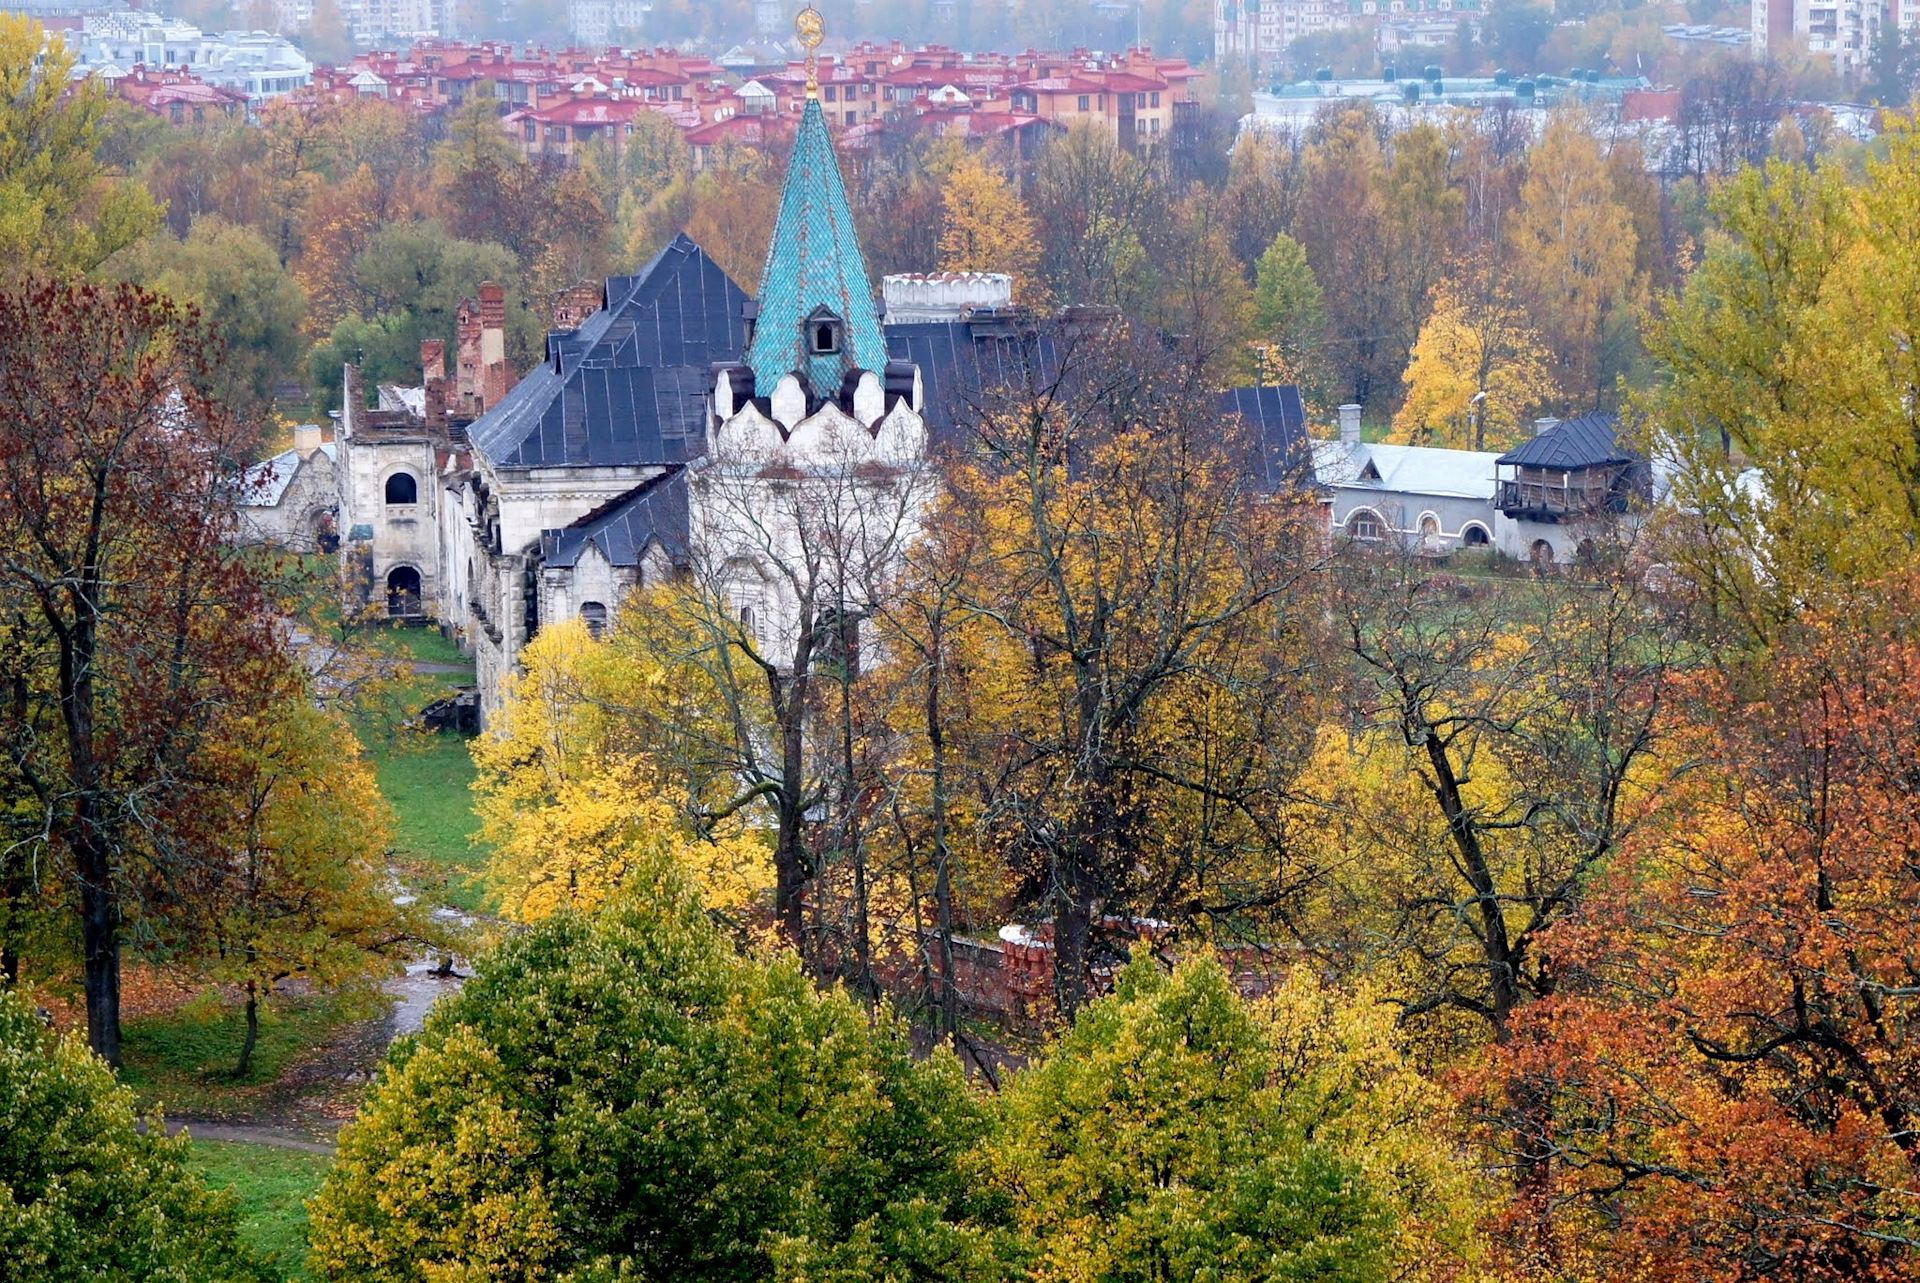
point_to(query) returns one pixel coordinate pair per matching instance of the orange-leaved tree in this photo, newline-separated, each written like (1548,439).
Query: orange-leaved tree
(1731,1081)
(132,629)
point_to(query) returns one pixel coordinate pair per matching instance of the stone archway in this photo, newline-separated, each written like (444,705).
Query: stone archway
(403,592)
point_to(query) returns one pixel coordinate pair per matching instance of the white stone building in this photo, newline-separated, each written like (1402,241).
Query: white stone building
(292,499)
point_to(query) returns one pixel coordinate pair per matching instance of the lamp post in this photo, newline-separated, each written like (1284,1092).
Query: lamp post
(1476,418)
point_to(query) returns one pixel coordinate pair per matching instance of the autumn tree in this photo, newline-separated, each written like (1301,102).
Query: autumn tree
(1130,640)
(571,241)
(1341,223)
(61,209)
(728,207)
(1478,372)
(1574,250)
(1787,400)
(985,227)
(1178,1131)
(1263,189)
(134,626)
(1497,750)
(89,1193)
(896,189)
(340,223)
(771,1128)
(1201,296)
(578,785)
(1096,205)
(302,887)
(1732,1088)
(484,189)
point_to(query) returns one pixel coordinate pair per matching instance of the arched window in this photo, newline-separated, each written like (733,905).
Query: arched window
(1365,523)
(1541,554)
(403,591)
(826,337)
(1475,536)
(595,615)
(402,488)
(1430,535)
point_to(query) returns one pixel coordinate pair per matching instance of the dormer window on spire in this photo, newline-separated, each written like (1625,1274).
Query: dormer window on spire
(824,332)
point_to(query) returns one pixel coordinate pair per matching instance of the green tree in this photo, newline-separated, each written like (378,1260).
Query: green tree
(410,280)
(1290,313)
(1165,1137)
(60,209)
(1788,404)
(253,303)
(86,1195)
(625,1096)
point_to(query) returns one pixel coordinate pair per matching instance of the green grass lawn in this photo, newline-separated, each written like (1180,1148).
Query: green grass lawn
(426,777)
(428,780)
(272,1185)
(184,1059)
(428,646)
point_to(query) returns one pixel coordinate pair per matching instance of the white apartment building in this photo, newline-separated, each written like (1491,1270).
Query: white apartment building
(1844,30)
(256,63)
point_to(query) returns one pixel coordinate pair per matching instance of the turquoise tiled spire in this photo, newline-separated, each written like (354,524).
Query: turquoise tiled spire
(814,262)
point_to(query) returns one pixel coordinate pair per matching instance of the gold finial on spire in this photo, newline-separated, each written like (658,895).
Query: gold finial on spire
(811,28)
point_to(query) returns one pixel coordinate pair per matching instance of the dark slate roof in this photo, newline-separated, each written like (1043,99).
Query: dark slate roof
(651,514)
(959,360)
(1282,454)
(1589,441)
(626,388)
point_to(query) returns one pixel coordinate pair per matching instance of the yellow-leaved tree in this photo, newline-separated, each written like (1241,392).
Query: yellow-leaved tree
(61,209)
(1574,257)
(1789,406)
(985,227)
(577,786)
(1478,372)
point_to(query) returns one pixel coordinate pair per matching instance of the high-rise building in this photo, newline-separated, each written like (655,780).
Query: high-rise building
(1844,30)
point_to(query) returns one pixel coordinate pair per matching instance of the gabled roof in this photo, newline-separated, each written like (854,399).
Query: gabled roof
(1590,441)
(1281,455)
(814,261)
(1405,469)
(627,387)
(653,514)
(265,484)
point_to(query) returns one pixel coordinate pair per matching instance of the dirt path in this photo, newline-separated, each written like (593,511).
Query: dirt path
(241,1133)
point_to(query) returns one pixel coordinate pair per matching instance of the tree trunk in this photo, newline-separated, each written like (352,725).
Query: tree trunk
(100,946)
(1073,894)
(253,1032)
(790,861)
(942,876)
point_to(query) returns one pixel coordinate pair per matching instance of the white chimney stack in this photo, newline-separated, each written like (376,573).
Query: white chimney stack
(1543,426)
(1350,424)
(306,438)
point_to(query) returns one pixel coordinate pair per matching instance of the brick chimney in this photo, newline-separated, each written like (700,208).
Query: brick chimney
(496,376)
(433,360)
(1350,424)
(353,398)
(466,357)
